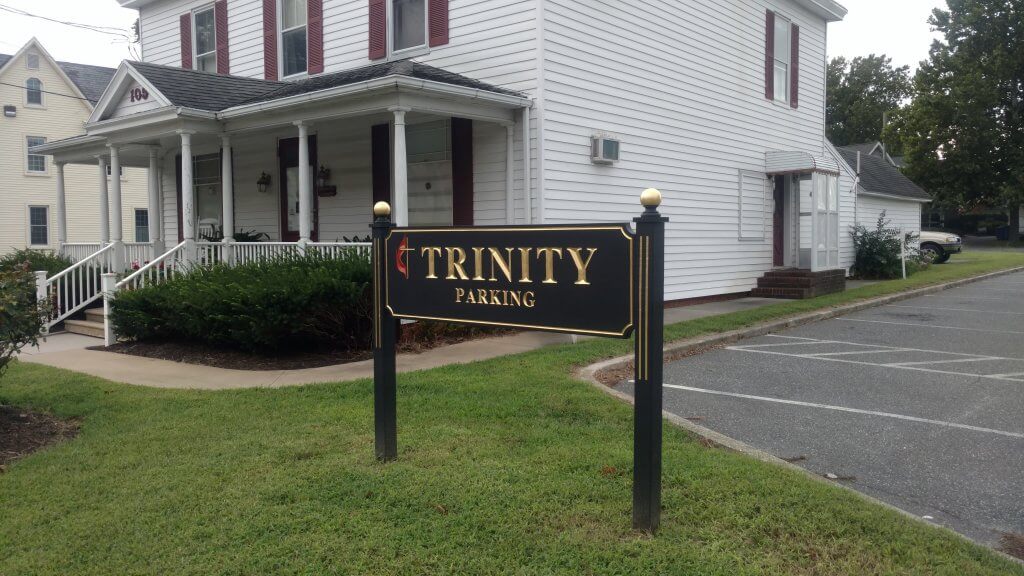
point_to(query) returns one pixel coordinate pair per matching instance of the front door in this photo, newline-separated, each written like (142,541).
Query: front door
(779,223)
(288,152)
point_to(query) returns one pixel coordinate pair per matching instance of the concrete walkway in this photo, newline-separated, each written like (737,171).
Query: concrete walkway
(69,351)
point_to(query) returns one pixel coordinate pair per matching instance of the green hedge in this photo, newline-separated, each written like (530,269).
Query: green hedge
(37,260)
(288,304)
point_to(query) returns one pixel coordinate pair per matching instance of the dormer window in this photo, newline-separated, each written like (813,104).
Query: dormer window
(206,40)
(409,29)
(293,37)
(33,92)
(32,61)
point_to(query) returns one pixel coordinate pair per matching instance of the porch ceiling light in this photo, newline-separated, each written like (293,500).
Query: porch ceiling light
(263,183)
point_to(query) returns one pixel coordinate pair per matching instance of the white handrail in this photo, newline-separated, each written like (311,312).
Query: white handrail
(77,286)
(157,270)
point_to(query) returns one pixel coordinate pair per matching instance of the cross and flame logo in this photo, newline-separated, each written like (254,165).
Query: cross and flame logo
(401,264)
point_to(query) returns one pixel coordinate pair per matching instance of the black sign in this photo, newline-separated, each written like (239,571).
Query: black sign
(577,279)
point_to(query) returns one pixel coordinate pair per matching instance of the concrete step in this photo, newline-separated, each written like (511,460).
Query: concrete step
(94,315)
(84,327)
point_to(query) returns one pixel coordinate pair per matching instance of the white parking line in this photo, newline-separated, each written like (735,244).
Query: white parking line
(1000,312)
(882,347)
(876,351)
(929,362)
(850,410)
(919,325)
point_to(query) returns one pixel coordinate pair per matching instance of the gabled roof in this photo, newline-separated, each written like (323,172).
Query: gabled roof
(88,79)
(203,90)
(878,176)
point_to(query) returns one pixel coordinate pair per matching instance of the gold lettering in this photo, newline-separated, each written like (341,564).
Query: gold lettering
(456,260)
(529,299)
(430,251)
(516,300)
(581,265)
(549,263)
(481,295)
(478,263)
(459,293)
(470,299)
(503,264)
(524,256)
(496,297)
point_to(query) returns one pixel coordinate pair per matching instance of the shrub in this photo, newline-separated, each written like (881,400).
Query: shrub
(21,318)
(292,303)
(878,251)
(37,260)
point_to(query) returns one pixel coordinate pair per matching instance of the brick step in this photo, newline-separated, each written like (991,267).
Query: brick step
(84,327)
(793,293)
(795,273)
(94,315)
(786,282)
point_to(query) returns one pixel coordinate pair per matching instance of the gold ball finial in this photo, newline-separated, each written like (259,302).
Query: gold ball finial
(650,197)
(382,209)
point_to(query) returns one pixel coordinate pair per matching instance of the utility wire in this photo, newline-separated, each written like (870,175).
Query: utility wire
(48,92)
(109,30)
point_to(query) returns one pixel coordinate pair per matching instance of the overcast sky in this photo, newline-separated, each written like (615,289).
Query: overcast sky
(898,28)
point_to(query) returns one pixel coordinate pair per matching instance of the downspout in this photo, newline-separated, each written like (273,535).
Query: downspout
(539,110)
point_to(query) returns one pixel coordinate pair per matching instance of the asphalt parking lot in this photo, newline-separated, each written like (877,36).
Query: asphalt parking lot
(919,403)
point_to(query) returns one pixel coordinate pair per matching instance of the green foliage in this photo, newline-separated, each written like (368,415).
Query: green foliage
(292,303)
(878,253)
(37,260)
(860,92)
(240,236)
(21,317)
(964,133)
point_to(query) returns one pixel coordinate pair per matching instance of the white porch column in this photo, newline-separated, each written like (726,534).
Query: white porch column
(401,211)
(510,173)
(527,176)
(305,186)
(104,205)
(154,213)
(117,217)
(188,197)
(228,198)
(62,209)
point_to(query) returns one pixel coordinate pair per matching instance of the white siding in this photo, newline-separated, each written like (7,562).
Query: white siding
(682,85)
(901,213)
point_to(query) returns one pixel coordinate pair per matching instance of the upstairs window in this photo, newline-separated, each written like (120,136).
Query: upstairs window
(293,37)
(409,28)
(782,44)
(34,163)
(34,92)
(206,40)
(32,61)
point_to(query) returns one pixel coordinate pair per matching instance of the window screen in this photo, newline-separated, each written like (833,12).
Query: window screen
(35,162)
(141,225)
(38,225)
(410,29)
(34,92)
(206,41)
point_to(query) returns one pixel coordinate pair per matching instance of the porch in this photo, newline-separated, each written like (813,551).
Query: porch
(241,170)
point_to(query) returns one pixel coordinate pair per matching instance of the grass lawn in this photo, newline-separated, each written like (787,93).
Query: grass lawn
(505,466)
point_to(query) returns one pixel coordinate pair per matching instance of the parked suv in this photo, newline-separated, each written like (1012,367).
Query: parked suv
(939,246)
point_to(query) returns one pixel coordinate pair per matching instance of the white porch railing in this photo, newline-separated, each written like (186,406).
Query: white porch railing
(248,252)
(336,249)
(169,264)
(209,253)
(76,287)
(79,250)
(137,253)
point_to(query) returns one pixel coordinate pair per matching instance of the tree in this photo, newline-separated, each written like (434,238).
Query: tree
(21,317)
(860,92)
(964,132)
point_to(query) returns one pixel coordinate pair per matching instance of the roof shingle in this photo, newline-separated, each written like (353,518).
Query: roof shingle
(879,176)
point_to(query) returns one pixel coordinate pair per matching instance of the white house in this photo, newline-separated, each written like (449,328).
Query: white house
(44,100)
(881,187)
(428,103)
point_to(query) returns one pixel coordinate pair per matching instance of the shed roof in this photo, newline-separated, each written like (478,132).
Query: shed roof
(879,176)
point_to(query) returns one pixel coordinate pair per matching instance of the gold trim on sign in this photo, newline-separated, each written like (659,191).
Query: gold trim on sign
(647,304)
(640,317)
(512,325)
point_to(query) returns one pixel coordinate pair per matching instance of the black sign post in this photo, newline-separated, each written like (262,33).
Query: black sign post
(595,279)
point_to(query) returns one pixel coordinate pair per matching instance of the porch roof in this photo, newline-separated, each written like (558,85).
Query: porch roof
(798,162)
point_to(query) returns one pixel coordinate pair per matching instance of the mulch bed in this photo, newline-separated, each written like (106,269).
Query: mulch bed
(1012,544)
(413,340)
(23,432)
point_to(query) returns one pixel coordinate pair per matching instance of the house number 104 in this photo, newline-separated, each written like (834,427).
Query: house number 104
(139,94)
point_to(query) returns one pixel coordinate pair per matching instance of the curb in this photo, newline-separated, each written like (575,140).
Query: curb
(589,375)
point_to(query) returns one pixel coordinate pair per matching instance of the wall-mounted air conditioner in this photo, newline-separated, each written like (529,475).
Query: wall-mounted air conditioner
(604,150)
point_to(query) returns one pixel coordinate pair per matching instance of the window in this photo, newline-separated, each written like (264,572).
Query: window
(32,61)
(120,171)
(34,92)
(429,155)
(35,163)
(141,225)
(38,225)
(410,24)
(206,40)
(293,37)
(782,58)
(753,205)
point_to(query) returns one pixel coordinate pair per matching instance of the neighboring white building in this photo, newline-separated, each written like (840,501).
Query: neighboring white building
(45,101)
(427,103)
(882,187)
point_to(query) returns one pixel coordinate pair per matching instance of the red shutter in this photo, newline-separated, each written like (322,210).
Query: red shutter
(437,13)
(794,68)
(220,16)
(769,55)
(270,39)
(186,41)
(380,162)
(378,29)
(315,37)
(462,172)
